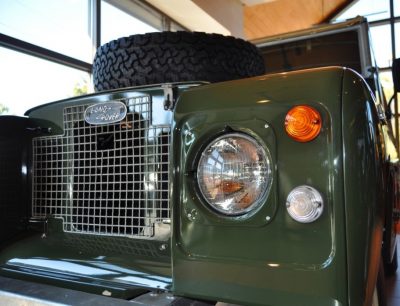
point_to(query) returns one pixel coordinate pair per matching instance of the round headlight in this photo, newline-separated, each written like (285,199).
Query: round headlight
(234,174)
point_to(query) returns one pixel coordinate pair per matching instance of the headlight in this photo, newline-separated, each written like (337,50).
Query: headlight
(234,174)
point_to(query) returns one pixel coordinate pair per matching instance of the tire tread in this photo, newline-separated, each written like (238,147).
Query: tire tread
(174,57)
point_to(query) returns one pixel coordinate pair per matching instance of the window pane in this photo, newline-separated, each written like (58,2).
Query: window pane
(382,41)
(27,81)
(371,9)
(396,8)
(397,33)
(301,54)
(177,27)
(387,83)
(61,25)
(116,23)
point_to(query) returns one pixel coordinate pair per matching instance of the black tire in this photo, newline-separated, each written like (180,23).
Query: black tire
(166,57)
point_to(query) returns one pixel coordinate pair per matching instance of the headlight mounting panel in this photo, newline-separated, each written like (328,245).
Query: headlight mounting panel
(196,207)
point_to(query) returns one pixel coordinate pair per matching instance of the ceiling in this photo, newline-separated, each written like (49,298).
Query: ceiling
(283,16)
(250,19)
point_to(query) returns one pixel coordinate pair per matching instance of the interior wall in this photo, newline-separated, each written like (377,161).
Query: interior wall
(216,16)
(227,12)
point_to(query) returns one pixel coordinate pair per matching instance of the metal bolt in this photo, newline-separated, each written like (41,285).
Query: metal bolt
(192,215)
(267,218)
(163,247)
(266,125)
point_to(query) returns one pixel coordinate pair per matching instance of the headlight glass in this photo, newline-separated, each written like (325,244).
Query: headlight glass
(234,174)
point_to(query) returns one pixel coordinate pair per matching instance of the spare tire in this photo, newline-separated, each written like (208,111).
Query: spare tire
(166,57)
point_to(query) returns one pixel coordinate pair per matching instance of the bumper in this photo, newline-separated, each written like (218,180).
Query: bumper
(17,292)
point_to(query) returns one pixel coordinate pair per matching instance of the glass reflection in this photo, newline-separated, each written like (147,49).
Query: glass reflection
(234,173)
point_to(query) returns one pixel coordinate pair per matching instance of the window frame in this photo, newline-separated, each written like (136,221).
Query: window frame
(391,21)
(146,13)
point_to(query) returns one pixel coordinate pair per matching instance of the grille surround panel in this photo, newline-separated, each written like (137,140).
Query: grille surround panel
(107,179)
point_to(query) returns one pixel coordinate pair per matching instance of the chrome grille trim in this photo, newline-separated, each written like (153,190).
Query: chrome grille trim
(105,179)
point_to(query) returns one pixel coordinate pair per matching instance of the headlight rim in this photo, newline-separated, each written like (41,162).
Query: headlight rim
(262,199)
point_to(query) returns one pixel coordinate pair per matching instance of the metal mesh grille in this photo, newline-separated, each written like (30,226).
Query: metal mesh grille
(104,179)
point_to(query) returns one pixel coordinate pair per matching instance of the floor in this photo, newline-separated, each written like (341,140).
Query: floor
(393,283)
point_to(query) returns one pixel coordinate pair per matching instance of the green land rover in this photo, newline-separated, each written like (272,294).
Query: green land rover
(193,178)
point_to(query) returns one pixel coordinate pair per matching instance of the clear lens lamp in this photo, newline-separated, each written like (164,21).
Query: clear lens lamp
(304,204)
(234,174)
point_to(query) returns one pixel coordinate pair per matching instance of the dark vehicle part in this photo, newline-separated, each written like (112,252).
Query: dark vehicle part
(166,57)
(18,292)
(396,83)
(380,287)
(14,191)
(389,250)
(396,74)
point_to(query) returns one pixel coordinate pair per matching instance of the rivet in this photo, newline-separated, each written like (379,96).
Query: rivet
(193,214)
(266,125)
(267,218)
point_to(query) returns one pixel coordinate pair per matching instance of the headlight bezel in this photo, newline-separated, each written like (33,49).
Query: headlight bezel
(261,199)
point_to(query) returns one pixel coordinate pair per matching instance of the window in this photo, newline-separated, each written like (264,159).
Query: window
(387,83)
(61,26)
(382,40)
(378,14)
(176,27)
(397,33)
(381,20)
(27,81)
(371,9)
(116,23)
(66,27)
(301,54)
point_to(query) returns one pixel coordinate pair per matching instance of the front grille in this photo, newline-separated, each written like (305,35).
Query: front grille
(104,179)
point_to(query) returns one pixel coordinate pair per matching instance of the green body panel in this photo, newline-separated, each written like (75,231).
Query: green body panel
(365,179)
(38,250)
(124,267)
(261,258)
(265,258)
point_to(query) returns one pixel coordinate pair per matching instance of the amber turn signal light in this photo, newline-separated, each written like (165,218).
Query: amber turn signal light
(303,123)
